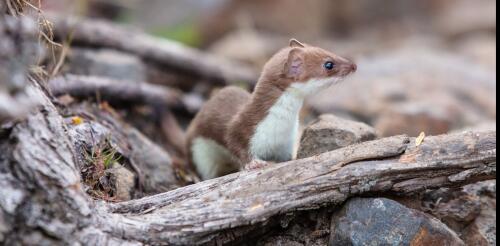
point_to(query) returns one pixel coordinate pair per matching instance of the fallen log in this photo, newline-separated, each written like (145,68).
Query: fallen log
(225,210)
(163,52)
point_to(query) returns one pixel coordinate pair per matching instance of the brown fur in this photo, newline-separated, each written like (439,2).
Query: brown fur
(232,115)
(213,120)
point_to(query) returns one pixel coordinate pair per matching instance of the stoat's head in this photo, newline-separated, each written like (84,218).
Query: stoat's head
(307,69)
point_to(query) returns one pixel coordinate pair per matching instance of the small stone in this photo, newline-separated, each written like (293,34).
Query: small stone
(380,221)
(330,133)
(123,181)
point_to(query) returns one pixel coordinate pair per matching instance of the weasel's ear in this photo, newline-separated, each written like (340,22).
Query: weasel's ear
(294,66)
(294,43)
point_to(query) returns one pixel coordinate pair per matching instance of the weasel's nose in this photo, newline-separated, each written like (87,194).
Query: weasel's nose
(354,67)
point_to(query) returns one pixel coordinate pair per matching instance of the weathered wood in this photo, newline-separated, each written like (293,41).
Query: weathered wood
(106,89)
(15,58)
(160,51)
(226,209)
(223,210)
(247,198)
(122,94)
(153,166)
(42,201)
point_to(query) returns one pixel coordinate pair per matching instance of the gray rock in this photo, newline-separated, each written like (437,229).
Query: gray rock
(107,63)
(385,222)
(123,182)
(330,133)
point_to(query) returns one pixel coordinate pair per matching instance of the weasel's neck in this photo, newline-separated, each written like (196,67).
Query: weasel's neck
(275,135)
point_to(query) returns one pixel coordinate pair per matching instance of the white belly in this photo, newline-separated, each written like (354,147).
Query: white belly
(276,136)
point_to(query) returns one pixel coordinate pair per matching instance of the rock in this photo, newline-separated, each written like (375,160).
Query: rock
(412,82)
(106,63)
(280,241)
(258,47)
(311,228)
(481,49)
(330,133)
(456,209)
(462,17)
(123,182)
(483,230)
(366,221)
(412,119)
(471,211)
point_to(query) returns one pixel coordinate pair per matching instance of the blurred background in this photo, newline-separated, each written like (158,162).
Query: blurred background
(425,65)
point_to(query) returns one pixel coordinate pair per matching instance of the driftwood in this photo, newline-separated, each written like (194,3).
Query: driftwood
(165,53)
(224,210)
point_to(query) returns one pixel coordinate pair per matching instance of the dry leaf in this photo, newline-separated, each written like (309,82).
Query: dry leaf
(76,120)
(420,139)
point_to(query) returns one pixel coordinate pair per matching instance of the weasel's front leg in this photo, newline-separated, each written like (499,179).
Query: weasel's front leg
(257,164)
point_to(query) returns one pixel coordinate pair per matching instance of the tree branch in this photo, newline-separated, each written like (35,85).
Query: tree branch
(116,91)
(160,51)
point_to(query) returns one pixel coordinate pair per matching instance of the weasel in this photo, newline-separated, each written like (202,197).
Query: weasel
(235,128)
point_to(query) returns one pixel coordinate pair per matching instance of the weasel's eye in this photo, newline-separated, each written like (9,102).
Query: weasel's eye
(329,65)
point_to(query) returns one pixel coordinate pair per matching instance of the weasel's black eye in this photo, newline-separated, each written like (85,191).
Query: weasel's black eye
(329,65)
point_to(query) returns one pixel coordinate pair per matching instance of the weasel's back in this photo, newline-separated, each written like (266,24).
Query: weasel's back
(206,134)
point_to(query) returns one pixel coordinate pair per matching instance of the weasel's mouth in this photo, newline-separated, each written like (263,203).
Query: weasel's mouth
(347,70)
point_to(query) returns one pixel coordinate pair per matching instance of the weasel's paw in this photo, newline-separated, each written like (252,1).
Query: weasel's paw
(256,164)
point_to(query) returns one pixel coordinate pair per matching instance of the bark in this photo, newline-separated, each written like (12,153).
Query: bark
(115,91)
(42,197)
(15,58)
(122,94)
(162,52)
(153,166)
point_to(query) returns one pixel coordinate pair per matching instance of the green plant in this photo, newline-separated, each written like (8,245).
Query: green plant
(98,159)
